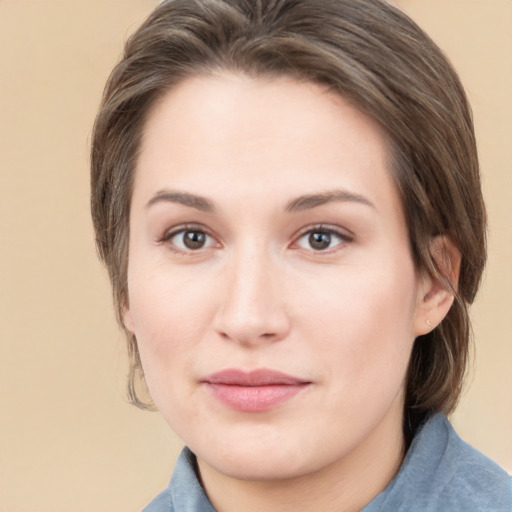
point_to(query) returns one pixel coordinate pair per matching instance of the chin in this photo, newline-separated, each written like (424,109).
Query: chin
(262,460)
(259,467)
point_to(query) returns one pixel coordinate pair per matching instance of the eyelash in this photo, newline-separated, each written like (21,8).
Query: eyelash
(322,229)
(192,228)
(343,236)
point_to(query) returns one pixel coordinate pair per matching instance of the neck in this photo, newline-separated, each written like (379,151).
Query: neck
(344,486)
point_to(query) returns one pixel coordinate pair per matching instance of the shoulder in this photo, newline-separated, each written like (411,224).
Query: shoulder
(161,503)
(442,472)
(472,479)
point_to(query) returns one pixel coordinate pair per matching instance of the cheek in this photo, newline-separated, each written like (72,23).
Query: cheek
(169,316)
(363,323)
(165,303)
(354,300)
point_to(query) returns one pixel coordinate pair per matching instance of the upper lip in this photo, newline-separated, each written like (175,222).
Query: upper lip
(253,378)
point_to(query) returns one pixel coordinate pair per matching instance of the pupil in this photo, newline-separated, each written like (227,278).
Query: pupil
(194,239)
(320,240)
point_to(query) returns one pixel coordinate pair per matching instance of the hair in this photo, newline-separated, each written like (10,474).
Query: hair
(371,54)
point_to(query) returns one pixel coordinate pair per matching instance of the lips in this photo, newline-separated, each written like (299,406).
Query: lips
(256,391)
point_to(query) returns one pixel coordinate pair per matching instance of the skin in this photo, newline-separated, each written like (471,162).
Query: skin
(227,157)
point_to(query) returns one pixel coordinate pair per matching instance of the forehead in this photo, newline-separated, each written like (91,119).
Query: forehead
(252,108)
(260,134)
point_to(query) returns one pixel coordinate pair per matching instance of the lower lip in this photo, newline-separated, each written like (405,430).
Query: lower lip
(255,398)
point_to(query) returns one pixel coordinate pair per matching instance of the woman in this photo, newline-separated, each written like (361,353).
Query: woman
(287,198)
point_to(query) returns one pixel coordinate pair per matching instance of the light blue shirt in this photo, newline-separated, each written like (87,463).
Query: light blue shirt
(440,473)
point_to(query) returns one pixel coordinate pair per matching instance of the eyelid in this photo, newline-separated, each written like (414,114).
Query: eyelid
(175,230)
(345,235)
(170,232)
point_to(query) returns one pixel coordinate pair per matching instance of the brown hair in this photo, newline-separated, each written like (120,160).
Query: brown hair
(365,50)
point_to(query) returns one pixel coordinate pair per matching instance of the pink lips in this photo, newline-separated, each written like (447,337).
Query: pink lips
(255,391)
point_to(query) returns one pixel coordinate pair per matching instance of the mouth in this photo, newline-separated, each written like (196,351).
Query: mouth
(255,391)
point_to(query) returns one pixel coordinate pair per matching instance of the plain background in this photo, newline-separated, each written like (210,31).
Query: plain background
(68,439)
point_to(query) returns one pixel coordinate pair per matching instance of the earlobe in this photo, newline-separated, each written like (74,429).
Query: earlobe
(128,320)
(437,293)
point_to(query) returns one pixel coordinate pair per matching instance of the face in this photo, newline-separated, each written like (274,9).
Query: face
(271,286)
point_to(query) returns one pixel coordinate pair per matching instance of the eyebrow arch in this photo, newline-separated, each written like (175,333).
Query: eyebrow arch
(184,198)
(313,200)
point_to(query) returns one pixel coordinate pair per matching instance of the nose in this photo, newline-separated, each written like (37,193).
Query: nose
(252,310)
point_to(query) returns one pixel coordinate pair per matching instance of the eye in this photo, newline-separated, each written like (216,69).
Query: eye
(321,239)
(189,239)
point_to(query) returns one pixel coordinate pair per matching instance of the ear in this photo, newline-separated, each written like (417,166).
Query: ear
(436,295)
(128,320)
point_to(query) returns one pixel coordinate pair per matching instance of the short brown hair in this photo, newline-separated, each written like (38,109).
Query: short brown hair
(365,50)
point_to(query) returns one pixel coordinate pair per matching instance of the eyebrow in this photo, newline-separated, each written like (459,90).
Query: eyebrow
(300,203)
(184,198)
(309,201)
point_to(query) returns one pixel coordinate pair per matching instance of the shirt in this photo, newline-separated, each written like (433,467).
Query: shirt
(440,473)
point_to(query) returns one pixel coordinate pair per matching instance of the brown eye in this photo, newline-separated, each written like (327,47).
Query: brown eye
(322,239)
(186,240)
(194,239)
(319,241)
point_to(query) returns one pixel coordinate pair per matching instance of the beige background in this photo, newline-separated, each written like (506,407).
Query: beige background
(68,440)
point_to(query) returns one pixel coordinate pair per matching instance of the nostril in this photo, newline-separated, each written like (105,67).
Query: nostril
(249,312)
